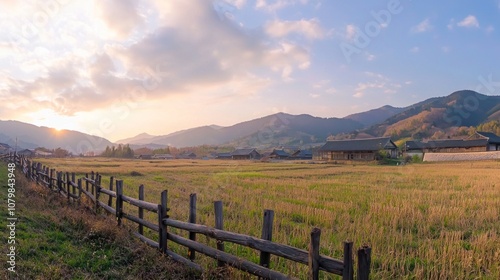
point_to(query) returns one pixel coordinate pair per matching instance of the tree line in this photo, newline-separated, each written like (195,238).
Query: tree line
(122,151)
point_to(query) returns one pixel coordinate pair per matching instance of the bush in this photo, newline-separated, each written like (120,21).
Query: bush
(416,159)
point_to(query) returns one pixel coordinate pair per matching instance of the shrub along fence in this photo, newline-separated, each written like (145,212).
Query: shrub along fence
(68,186)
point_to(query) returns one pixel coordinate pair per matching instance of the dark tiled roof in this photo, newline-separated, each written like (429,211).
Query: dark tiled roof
(280,153)
(242,152)
(223,155)
(302,153)
(492,137)
(371,144)
(416,145)
(4,146)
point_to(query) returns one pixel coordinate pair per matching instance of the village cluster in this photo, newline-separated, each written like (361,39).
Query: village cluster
(481,145)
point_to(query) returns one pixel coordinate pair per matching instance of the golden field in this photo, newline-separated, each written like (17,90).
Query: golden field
(423,221)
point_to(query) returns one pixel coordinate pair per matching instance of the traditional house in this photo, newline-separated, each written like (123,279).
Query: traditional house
(223,156)
(492,138)
(245,154)
(186,155)
(358,149)
(144,156)
(279,154)
(5,149)
(448,146)
(26,153)
(413,148)
(163,156)
(302,154)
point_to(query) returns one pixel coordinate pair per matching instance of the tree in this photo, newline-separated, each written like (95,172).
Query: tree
(61,153)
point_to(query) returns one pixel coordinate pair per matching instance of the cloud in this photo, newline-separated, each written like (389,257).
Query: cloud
(193,51)
(310,29)
(489,29)
(237,3)
(121,17)
(423,26)
(369,56)
(470,22)
(277,4)
(415,49)
(451,24)
(378,84)
(351,31)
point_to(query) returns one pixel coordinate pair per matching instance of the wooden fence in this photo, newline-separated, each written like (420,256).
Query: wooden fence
(71,188)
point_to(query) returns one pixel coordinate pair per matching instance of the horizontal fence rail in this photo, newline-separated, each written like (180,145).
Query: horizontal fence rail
(91,187)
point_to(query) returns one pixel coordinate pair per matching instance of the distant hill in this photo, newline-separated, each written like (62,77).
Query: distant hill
(280,128)
(138,139)
(375,116)
(436,117)
(31,136)
(443,115)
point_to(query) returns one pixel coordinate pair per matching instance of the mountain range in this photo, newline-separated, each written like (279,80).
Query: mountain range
(28,136)
(438,116)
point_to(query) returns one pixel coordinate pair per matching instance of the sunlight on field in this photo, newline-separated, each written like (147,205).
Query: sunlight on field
(423,221)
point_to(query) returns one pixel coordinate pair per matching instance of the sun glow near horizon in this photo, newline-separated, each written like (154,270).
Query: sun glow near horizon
(55,121)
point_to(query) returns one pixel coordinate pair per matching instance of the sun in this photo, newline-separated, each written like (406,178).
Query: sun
(58,123)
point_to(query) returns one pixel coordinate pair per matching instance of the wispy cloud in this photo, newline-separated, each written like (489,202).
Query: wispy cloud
(415,49)
(378,84)
(277,4)
(470,22)
(351,31)
(308,28)
(423,26)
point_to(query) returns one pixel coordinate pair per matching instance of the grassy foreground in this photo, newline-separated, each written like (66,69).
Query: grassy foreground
(423,221)
(57,241)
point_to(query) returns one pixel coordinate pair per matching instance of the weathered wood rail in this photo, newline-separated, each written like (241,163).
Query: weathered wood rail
(71,188)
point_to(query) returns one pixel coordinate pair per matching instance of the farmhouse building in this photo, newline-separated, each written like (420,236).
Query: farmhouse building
(223,156)
(302,154)
(279,154)
(358,149)
(5,148)
(186,155)
(163,156)
(245,154)
(478,142)
(26,153)
(492,138)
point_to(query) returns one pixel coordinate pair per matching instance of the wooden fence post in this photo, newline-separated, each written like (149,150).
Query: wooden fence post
(87,182)
(92,177)
(28,164)
(51,178)
(79,190)
(119,201)
(97,184)
(59,181)
(73,176)
(68,186)
(38,171)
(162,214)
(192,219)
(219,224)
(267,234)
(110,199)
(348,271)
(314,254)
(364,261)
(141,210)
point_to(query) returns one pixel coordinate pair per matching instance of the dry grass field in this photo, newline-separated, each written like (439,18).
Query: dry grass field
(423,221)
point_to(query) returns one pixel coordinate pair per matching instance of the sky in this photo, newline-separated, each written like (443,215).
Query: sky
(119,68)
